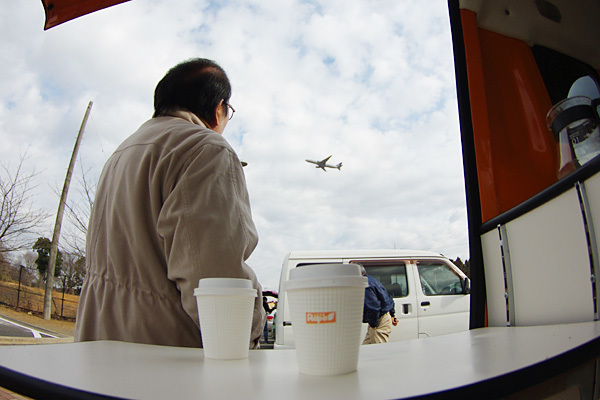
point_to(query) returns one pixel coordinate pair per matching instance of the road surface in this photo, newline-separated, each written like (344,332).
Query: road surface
(14,329)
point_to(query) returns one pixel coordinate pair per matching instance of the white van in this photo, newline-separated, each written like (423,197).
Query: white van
(431,294)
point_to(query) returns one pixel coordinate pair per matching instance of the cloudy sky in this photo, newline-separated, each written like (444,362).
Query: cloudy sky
(369,82)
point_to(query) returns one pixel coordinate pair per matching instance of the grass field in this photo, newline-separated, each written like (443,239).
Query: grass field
(31,299)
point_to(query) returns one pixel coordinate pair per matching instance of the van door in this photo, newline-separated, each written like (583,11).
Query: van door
(399,282)
(443,303)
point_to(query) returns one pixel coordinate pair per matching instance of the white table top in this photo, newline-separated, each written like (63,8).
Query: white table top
(393,370)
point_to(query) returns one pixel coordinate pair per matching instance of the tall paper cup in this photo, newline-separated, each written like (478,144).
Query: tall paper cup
(225,309)
(326,307)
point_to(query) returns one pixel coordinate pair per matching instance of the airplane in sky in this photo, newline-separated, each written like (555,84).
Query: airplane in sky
(323,163)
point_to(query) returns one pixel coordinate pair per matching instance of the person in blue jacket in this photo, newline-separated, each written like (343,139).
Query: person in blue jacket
(378,311)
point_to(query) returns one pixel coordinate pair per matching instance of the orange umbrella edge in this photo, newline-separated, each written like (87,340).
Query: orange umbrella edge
(61,11)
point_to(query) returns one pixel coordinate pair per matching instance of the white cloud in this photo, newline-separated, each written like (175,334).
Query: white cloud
(371,83)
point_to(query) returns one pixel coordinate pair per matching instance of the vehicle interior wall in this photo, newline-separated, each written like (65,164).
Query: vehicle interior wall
(519,64)
(520,58)
(550,278)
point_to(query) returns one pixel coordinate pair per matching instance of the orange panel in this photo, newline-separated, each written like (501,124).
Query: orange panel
(523,149)
(479,114)
(515,152)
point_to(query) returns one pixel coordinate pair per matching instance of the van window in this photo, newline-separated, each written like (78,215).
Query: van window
(315,263)
(393,278)
(439,279)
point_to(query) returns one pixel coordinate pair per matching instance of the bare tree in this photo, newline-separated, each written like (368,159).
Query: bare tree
(27,260)
(5,267)
(73,271)
(18,217)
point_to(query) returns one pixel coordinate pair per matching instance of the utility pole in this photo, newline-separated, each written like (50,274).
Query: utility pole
(59,217)
(19,290)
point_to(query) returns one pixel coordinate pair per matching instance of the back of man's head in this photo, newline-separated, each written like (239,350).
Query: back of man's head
(197,85)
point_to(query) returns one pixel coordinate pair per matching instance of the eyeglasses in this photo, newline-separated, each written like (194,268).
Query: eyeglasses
(232,110)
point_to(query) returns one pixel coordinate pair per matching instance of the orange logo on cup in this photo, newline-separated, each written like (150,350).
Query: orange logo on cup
(327,317)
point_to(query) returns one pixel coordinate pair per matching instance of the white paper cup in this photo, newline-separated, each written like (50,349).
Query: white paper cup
(326,306)
(225,309)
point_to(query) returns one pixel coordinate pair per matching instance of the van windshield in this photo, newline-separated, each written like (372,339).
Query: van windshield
(439,279)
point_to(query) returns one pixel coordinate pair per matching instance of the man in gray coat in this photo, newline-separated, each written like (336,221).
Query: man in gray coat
(171,208)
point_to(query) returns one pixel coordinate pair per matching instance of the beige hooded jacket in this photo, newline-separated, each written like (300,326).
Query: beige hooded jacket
(171,208)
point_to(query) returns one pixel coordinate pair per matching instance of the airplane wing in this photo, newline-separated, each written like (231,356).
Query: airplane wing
(323,164)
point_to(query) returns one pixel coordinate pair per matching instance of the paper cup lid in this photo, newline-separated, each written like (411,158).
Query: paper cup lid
(225,292)
(326,275)
(225,283)
(225,287)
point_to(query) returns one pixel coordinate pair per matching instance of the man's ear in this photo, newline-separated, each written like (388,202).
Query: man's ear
(220,118)
(219,113)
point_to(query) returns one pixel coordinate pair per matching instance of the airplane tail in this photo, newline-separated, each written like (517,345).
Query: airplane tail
(339,166)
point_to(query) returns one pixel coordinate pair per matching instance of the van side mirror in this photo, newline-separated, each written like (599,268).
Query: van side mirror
(466,286)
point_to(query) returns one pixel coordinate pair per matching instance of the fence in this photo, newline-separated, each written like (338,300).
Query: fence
(32,299)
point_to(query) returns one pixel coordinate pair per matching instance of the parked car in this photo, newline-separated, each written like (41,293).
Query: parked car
(271,324)
(270,298)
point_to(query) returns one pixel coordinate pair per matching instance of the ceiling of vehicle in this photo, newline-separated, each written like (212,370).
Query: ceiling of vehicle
(570,27)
